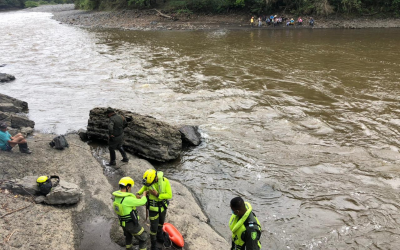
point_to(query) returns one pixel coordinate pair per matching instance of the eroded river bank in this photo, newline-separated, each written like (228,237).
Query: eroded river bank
(150,20)
(302,123)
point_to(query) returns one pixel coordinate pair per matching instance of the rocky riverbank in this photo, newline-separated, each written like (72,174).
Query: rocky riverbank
(91,223)
(51,226)
(61,227)
(151,20)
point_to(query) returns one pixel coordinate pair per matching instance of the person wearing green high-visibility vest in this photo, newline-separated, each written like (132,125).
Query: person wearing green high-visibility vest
(124,206)
(245,227)
(159,192)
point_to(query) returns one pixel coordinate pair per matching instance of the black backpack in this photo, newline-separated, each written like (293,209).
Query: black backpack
(59,142)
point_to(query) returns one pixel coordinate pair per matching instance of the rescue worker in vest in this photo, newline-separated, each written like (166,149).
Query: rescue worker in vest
(116,126)
(245,227)
(124,205)
(159,192)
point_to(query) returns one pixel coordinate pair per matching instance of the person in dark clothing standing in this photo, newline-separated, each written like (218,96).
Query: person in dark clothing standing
(245,227)
(116,126)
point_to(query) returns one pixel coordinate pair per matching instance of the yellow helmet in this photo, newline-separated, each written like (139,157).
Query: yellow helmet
(42,179)
(149,177)
(125,181)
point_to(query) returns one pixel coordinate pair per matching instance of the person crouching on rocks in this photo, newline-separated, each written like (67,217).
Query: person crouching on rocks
(7,142)
(124,206)
(116,126)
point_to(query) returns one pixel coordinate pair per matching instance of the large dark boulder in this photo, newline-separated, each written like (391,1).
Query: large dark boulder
(144,135)
(6,77)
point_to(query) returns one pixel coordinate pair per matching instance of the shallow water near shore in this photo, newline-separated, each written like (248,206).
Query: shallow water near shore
(301,123)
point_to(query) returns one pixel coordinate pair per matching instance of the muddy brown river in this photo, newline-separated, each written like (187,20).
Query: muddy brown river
(303,124)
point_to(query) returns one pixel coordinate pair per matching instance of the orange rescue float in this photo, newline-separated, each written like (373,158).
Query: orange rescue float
(174,235)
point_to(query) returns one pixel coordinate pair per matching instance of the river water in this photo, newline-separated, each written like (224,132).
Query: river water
(303,124)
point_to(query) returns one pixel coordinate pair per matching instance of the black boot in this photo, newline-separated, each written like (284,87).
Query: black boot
(153,241)
(154,245)
(112,157)
(160,237)
(124,156)
(23,148)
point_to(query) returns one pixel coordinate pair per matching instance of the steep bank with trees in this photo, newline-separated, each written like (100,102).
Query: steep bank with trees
(304,7)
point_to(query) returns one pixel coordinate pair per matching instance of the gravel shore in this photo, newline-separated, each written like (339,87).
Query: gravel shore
(150,20)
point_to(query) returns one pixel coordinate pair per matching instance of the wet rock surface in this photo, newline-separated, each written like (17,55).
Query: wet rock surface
(90,218)
(6,77)
(183,212)
(144,135)
(190,135)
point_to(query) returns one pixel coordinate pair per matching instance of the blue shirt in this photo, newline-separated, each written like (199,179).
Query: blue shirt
(4,138)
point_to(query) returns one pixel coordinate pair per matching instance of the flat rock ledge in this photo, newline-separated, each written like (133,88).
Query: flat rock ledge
(6,77)
(145,135)
(55,226)
(65,193)
(12,112)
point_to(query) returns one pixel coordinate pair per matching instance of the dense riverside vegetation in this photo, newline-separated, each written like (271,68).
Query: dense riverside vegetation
(308,7)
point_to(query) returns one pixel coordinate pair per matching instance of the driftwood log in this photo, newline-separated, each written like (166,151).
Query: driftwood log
(164,15)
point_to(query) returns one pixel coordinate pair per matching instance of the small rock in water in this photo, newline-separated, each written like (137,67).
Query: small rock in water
(190,135)
(6,77)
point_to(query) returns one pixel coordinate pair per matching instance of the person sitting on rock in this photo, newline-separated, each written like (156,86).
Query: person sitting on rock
(7,142)
(124,206)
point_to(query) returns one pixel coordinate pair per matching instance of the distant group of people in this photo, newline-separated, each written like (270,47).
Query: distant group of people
(274,20)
